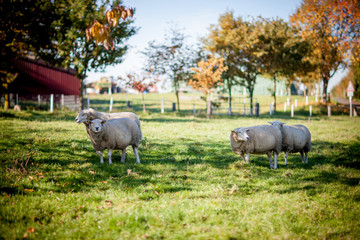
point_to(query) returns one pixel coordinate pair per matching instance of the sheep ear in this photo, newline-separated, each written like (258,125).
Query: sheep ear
(234,136)
(247,130)
(271,123)
(103,122)
(88,122)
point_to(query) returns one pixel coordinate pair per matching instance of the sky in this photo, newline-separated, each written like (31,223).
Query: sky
(154,17)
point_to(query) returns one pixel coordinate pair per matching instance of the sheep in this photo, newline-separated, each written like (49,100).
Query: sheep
(258,140)
(90,114)
(114,134)
(295,138)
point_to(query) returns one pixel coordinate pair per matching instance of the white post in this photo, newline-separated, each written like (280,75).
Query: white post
(51,102)
(88,102)
(270,109)
(310,111)
(288,101)
(351,113)
(244,91)
(329,111)
(307,100)
(17,99)
(62,101)
(292,110)
(111,104)
(295,102)
(194,110)
(229,100)
(316,97)
(39,100)
(285,107)
(162,105)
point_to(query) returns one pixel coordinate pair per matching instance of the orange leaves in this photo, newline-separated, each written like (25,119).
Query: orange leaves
(101,32)
(118,12)
(208,74)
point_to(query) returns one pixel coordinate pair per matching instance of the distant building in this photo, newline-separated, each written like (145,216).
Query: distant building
(103,86)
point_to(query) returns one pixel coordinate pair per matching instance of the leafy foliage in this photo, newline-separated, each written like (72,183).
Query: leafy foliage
(172,59)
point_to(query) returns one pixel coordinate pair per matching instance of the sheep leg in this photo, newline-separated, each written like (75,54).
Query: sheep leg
(247,158)
(276,156)
(123,155)
(242,156)
(306,157)
(302,156)
(100,153)
(109,155)
(286,157)
(136,152)
(270,159)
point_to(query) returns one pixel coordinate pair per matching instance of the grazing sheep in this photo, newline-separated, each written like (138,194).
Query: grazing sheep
(258,140)
(90,114)
(295,138)
(114,134)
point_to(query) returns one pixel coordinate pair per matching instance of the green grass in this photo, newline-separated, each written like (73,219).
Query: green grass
(190,184)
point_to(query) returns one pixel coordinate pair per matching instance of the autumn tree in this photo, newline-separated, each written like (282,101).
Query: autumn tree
(207,77)
(236,40)
(140,83)
(332,27)
(283,52)
(353,75)
(171,58)
(55,31)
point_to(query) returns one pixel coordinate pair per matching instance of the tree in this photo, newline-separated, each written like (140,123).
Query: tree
(172,58)
(333,29)
(353,75)
(236,41)
(141,84)
(55,31)
(208,76)
(283,52)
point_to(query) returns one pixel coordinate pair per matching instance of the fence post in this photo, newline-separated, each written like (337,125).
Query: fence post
(329,111)
(62,102)
(128,104)
(292,110)
(307,100)
(194,110)
(270,109)
(173,107)
(88,102)
(162,105)
(17,99)
(111,104)
(39,100)
(285,107)
(296,103)
(229,100)
(310,110)
(51,102)
(257,109)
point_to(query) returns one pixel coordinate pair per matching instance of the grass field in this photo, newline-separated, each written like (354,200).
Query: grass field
(190,184)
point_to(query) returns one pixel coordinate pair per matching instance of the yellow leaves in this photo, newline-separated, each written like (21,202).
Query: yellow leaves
(92,172)
(208,74)
(28,190)
(101,32)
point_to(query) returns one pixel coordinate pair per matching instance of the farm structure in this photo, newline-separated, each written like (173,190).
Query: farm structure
(38,80)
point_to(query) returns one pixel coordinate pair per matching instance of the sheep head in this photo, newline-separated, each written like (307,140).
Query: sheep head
(240,135)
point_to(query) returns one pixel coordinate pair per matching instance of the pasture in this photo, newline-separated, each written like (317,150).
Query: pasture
(190,184)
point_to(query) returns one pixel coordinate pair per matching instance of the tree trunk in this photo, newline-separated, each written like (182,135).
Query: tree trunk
(289,90)
(177,100)
(229,101)
(325,86)
(274,94)
(251,93)
(209,107)
(143,100)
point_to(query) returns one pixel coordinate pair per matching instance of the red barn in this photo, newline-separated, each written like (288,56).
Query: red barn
(38,79)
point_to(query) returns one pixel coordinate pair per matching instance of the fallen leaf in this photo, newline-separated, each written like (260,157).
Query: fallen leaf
(185,177)
(65,184)
(156,192)
(104,182)
(31,230)
(8,151)
(39,174)
(28,190)
(110,203)
(92,172)
(51,192)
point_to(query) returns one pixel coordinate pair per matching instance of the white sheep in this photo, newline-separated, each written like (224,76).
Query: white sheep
(295,138)
(90,114)
(114,134)
(258,140)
